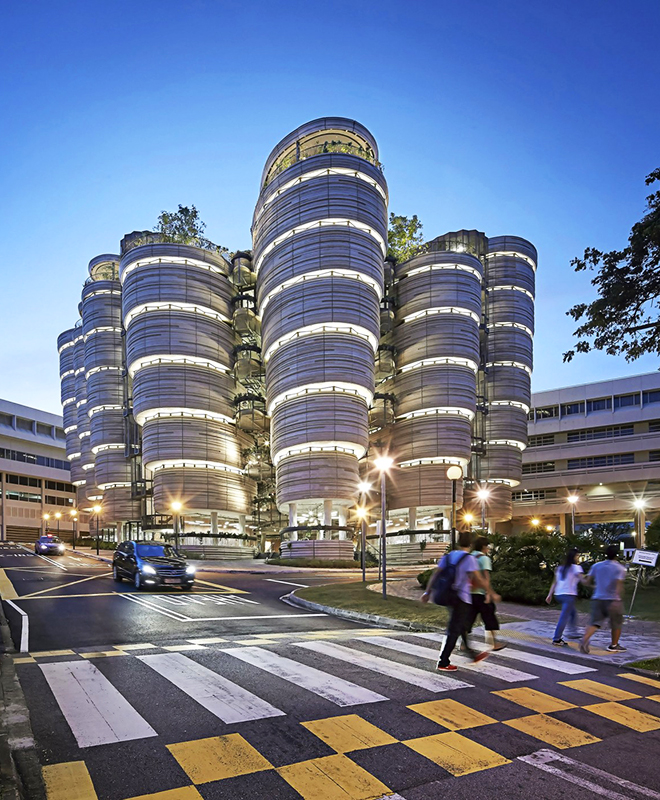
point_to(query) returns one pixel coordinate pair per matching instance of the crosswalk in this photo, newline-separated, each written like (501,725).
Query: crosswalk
(330,690)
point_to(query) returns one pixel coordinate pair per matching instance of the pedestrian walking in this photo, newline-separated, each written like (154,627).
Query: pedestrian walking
(607,599)
(484,598)
(565,589)
(457,572)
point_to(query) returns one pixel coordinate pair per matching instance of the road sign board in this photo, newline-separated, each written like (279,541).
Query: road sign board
(647,558)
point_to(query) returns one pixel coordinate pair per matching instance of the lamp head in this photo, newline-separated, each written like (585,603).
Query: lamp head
(454,473)
(483,494)
(96,509)
(640,503)
(73,512)
(361,512)
(572,499)
(536,522)
(364,487)
(383,463)
(468,517)
(549,528)
(58,515)
(46,516)
(177,506)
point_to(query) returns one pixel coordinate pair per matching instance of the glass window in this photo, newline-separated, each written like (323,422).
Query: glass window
(155,551)
(24,424)
(572,408)
(44,430)
(59,433)
(654,426)
(541,440)
(625,400)
(601,461)
(654,455)
(542,466)
(530,415)
(7,419)
(603,404)
(651,397)
(547,412)
(600,433)
(24,497)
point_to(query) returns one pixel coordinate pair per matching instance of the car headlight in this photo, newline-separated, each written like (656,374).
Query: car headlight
(190,570)
(148,570)
(61,548)
(43,546)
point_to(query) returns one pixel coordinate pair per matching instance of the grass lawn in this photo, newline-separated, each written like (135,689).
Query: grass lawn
(355,596)
(647,601)
(652,664)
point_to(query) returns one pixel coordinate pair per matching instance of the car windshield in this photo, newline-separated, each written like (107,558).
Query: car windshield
(155,550)
(47,539)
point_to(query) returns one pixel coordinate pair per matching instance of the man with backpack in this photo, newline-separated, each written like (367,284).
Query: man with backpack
(451,585)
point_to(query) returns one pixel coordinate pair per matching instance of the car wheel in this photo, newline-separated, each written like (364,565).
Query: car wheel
(137,580)
(115,575)
(186,586)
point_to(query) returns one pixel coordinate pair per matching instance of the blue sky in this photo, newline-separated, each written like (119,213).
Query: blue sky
(534,119)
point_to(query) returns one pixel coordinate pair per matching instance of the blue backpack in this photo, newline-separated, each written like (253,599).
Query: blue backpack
(443,592)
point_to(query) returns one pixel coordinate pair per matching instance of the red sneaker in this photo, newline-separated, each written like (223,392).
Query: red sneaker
(481,656)
(448,668)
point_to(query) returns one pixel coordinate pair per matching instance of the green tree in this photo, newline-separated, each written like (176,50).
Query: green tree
(625,317)
(185,227)
(404,237)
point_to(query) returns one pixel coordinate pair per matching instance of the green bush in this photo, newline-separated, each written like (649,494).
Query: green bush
(313,562)
(424,577)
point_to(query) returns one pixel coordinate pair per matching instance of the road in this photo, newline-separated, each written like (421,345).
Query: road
(227,692)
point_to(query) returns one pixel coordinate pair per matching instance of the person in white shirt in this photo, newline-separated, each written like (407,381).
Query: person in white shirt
(565,589)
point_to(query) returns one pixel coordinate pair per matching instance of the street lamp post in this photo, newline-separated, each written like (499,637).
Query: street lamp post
(454,473)
(97,511)
(176,508)
(382,464)
(46,518)
(58,517)
(483,495)
(572,499)
(364,487)
(640,522)
(74,519)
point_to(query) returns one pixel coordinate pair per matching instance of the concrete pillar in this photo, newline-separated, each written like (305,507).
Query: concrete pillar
(241,523)
(293,536)
(342,522)
(412,518)
(564,524)
(214,523)
(293,515)
(327,513)
(3,521)
(640,528)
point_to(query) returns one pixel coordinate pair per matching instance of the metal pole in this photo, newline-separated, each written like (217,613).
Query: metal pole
(74,532)
(363,546)
(176,532)
(483,517)
(632,602)
(97,534)
(573,518)
(383,530)
(453,515)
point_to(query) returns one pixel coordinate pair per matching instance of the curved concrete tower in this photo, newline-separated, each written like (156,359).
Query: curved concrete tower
(176,305)
(65,348)
(320,233)
(510,275)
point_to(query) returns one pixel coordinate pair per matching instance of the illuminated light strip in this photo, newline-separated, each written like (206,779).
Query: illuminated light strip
(181,413)
(442,361)
(453,267)
(347,448)
(186,308)
(173,260)
(84,434)
(96,409)
(79,483)
(65,345)
(70,429)
(515,364)
(178,463)
(456,310)
(506,443)
(512,254)
(322,223)
(78,371)
(120,485)
(102,291)
(505,481)
(323,328)
(101,329)
(322,173)
(68,372)
(325,387)
(507,287)
(78,339)
(94,370)
(439,410)
(421,462)
(71,456)
(88,466)
(511,403)
(322,274)
(95,496)
(81,403)
(68,401)
(101,448)
(168,360)
(517,325)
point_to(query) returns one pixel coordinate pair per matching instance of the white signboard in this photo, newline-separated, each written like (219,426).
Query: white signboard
(647,558)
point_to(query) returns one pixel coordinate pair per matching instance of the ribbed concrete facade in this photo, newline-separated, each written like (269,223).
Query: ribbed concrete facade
(319,232)
(272,377)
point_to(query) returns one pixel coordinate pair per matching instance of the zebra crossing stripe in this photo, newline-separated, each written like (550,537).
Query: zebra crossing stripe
(96,712)
(226,700)
(417,677)
(492,670)
(337,690)
(556,664)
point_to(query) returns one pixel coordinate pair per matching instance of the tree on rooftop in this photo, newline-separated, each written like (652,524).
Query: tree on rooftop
(185,227)
(625,317)
(404,237)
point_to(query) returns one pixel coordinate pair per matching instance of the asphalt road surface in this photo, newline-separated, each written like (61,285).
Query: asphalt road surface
(227,692)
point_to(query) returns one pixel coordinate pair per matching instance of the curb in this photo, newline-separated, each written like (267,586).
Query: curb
(20,769)
(359,616)
(647,673)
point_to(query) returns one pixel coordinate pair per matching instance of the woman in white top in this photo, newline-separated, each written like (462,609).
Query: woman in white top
(565,589)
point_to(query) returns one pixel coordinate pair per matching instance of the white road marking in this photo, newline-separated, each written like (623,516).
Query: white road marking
(486,668)
(25,627)
(566,667)
(95,711)
(229,599)
(45,558)
(146,604)
(337,690)
(226,700)
(402,672)
(288,583)
(255,616)
(542,760)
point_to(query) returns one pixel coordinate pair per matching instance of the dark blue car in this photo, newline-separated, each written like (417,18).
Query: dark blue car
(151,565)
(49,545)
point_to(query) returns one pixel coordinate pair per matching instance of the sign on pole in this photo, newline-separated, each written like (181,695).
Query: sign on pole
(646,558)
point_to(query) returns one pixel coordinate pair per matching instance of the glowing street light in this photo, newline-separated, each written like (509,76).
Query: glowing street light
(535,522)
(74,519)
(97,510)
(364,487)
(176,507)
(549,528)
(454,473)
(383,464)
(639,505)
(573,499)
(483,495)
(468,518)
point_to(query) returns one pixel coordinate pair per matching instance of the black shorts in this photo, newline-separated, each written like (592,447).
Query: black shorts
(487,611)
